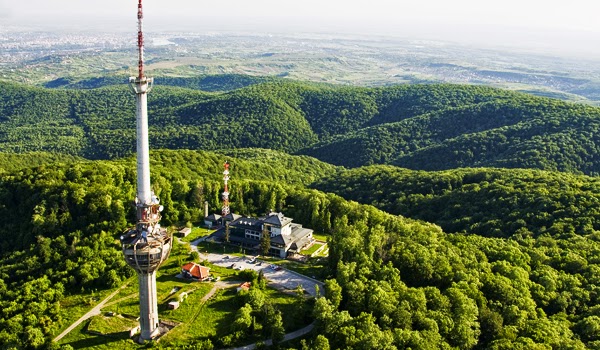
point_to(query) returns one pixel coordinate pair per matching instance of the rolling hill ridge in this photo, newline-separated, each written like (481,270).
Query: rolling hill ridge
(430,127)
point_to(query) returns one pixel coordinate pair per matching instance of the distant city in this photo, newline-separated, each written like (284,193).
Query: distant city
(38,57)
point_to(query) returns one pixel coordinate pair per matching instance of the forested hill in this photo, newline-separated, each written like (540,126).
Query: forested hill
(394,282)
(489,202)
(222,82)
(521,132)
(416,126)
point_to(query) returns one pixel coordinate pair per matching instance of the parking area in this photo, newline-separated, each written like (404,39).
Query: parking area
(276,275)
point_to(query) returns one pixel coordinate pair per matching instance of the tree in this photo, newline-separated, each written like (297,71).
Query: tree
(195,256)
(261,280)
(256,298)
(333,292)
(277,330)
(320,343)
(265,241)
(243,319)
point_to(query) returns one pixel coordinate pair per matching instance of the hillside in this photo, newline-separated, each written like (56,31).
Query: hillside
(427,127)
(212,83)
(395,282)
(488,202)
(513,133)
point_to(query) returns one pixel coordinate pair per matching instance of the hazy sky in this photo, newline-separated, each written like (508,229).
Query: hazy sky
(568,25)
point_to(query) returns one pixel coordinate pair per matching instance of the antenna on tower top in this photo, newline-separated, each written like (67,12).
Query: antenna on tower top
(140,16)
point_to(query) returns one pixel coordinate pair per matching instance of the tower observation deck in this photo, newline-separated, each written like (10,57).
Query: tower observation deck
(147,245)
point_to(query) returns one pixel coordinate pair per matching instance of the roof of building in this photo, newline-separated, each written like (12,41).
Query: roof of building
(299,235)
(186,230)
(213,217)
(244,222)
(196,271)
(231,217)
(244,286)
(277,219)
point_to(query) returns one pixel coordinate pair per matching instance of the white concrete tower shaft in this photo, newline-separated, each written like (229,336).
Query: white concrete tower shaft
(148,245)
(141,86)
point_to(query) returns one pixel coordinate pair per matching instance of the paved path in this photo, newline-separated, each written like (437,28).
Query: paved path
(283,277)
(218,285)
(289,336)
(93,312)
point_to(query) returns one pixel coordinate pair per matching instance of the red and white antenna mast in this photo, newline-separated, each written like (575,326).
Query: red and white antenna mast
(225,210)
(140,16)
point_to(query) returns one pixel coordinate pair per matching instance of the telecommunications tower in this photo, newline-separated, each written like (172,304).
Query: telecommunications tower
(225,210)
(147,245)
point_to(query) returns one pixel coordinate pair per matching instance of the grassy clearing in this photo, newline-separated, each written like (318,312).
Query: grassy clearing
(197,232)
(79,338)
(310,251)
(111,325)
(320,237)
(217,248)
(73,307)
(212,321)
(314,267)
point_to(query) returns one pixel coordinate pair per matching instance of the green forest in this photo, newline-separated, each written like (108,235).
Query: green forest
(457,217)
(420,127)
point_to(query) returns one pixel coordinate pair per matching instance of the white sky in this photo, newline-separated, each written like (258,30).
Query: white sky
(563,24)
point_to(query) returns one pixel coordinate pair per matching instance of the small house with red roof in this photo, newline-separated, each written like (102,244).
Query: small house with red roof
(195,271)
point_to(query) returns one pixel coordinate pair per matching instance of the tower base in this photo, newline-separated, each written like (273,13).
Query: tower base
(148,307)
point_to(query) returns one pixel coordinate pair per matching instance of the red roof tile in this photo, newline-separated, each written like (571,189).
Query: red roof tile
(197,271)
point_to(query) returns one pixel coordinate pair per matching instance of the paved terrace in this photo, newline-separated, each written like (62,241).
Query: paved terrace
(281,277)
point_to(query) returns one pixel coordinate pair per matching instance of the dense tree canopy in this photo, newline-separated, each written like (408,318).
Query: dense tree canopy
(394,282)
(489,202)
(427,127)
(508,260)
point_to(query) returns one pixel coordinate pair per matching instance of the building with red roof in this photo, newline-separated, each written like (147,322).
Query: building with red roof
(195,271)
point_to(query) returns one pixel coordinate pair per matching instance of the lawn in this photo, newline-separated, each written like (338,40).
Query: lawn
(320,237)
(314,267)
(310,251)
(111,325)
(73,307)
(212,321)
(79,338)
(196,233)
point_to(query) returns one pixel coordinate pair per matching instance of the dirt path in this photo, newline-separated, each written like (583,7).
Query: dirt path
(93,312)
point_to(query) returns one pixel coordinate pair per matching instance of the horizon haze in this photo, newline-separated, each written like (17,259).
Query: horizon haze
(553,27)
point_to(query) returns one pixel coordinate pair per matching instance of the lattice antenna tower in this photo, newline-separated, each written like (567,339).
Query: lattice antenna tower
(225,210)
